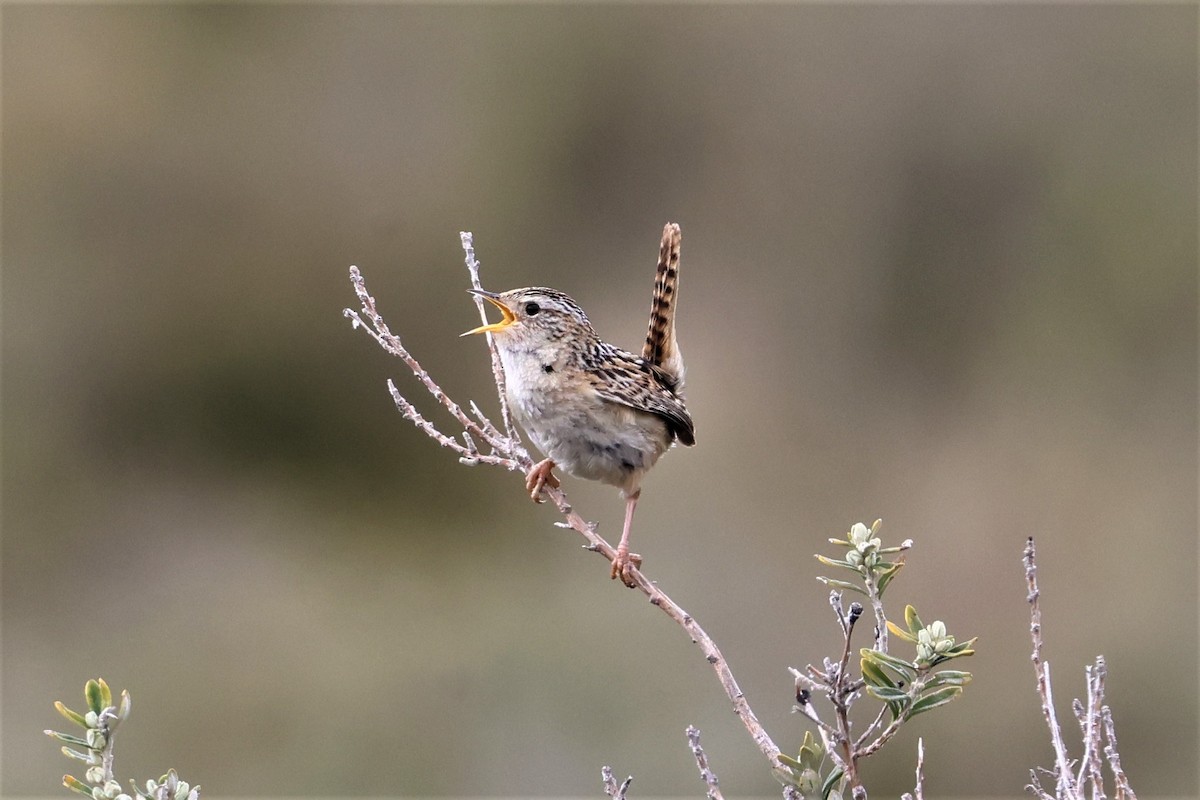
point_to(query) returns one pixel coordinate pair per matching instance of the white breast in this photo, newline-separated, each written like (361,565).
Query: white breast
(588,437)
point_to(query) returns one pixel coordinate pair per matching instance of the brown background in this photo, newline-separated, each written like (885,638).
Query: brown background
(939,266)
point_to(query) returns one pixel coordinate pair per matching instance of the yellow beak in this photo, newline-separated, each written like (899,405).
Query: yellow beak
(495,327)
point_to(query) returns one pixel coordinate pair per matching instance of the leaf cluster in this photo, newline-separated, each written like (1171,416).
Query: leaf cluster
(906,687)
(912,687)
(95,749)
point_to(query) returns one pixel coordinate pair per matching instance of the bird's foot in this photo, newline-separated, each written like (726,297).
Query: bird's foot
(623,565)
(540,476)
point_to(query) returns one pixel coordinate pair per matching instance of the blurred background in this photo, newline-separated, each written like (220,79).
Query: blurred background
(939,267)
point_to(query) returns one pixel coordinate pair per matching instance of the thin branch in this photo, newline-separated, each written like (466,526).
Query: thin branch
(104,725)
(706,774)
(848,629)
(918,792)
(378,330)
(484,421)
(870,730)
(467,454)
(610,784)
(1042,669)
(881,631)
(1090,766)
(883,738)
(468,244)
(1123,791)
(1095,721)
(841,692)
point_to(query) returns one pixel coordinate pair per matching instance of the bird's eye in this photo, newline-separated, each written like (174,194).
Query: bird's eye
(532,309)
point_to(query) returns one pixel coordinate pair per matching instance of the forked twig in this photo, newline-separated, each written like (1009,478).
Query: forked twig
(611,788)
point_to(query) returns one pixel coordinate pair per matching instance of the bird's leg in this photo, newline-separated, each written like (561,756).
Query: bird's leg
(624,562)
(539,475)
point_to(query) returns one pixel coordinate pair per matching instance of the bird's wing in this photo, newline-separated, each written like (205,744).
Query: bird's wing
(632,382)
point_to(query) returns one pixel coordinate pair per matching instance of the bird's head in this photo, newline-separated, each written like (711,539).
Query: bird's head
(533,316)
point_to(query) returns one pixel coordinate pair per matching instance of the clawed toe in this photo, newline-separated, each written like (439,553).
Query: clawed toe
(623,566)
(540,476)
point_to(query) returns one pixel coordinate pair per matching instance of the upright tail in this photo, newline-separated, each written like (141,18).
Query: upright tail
(661,350)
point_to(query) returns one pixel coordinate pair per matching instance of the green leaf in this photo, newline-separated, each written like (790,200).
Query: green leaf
(900,633)
(874,675)
(784,775)
(935,699)
(888,694)
(959,651)
(69,714)
(75,754)
(830,781)
(888,567)
(95,697)
(913,622)
(898,665)
(830,562)
(948,677)
(963,648)
(789,761)
(885,577)
(810,752)
(842,585)
(76,785)
(105,694)
(67,738)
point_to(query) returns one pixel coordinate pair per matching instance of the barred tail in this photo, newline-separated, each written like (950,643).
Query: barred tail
(661,350)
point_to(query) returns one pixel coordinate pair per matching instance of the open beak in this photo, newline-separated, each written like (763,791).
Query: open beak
(508,317)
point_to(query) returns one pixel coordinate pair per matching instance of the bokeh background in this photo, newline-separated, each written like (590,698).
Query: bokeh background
(939,267)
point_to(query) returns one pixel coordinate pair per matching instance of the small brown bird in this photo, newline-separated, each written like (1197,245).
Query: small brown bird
(597,411)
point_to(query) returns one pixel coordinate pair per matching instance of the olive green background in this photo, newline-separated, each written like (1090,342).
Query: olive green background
(939,266)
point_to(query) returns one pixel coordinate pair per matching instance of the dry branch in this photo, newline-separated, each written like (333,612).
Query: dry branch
(1094,717)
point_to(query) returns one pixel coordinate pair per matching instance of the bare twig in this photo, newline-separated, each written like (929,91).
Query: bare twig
(467,452)
(841,695)
(870,729)
(508,453)
(1042,669)
(1095,721)
(1124,790)
(610,784)
(468,244)
(378,330)
(919,790)
(918,793)
(891,730)
(1089,724)
(706,774)
(881,631)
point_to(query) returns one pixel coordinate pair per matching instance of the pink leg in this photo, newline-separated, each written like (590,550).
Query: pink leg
(540,475)
(625,562)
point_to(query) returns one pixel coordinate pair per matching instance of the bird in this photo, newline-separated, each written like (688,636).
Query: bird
(595,410)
